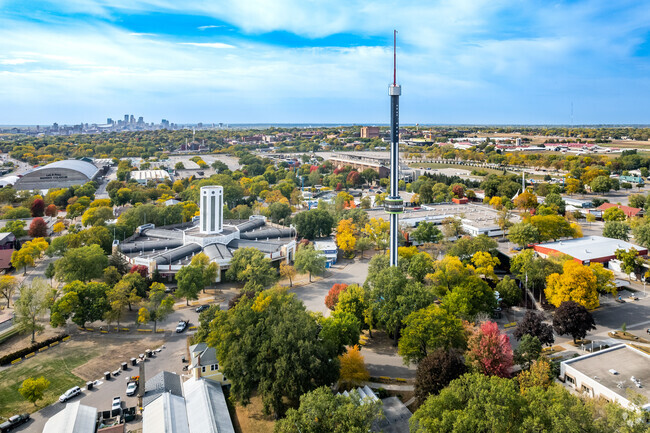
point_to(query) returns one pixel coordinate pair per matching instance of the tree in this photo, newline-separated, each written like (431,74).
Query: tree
(8,285)
(447,274)
(282,356)
(208,269)
(345,238)
(83,264)
(576,283)
(428,329)
(630,260)
(38,207)
(601,184)
(489,352)
(533,324)
(82,303)
(33,390)
(364,244)
(614,214)
(419,266)
(436,371)
(354,300)
(353,369)
(378,231)
(426,232)
(119,297)
(17,227)
(551,227)
(529,350)
(573,319)
(37,228)
(314,223)
(509,292)
(470,298)
(322,411)
(97,216)
(248,265)
(190,283)
(309,260)
(539,374)
(157,307)
(526,266)
(279,211)
(590,218)
(287,271)
(339,330)
(452,227)
(467,246)
(58,227)
(604,278)
(30,306)
(484,264)
(52,211)
(526,200)
(523,234)
(616,230)
(332,297)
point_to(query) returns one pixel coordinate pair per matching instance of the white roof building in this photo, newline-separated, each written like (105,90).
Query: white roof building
(588,249)
(166,414)
(143,176)
(75,418)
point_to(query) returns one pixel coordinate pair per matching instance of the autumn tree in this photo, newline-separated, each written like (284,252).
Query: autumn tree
(288,271)
(332,297)
(576,283)
(33,389)
(489,352)
(345,238)
(428,329)
(483,264)
(378,230)
(533,324)
(353,369)
(573,319)
(614,214)
(436,371)
(38,207)
(28,253)
(525,201)
(52,211)
(37,228)
(8,285)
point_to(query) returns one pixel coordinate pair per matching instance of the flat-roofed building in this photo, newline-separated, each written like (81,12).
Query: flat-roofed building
(369,131)
(588,249)
(610,373)
(144,176)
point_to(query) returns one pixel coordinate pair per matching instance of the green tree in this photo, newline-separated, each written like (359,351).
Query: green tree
(84,264)
(614,214)
(190,283)
(420,265)
(322,411)
(509,292)
(33,390)
(157,307)
(30,307)
(278,211)
(529,350)
(119,297)
(282,355)
(601,184)
(471,297)
(17,227)
(428,329)
(82,303)
(617,230)
(630,260)
(523,234)
(310,260)
(209,270)
(426,232)
(364,243)
(97,216)
(314,223)
(248,265)
(339,330)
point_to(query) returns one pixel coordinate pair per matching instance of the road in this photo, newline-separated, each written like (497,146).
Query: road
(168,359)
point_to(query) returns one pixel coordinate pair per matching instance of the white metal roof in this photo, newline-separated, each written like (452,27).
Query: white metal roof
(87,169)
(590,247)
(75,418)
(149,174)
(166,414)
(207,411)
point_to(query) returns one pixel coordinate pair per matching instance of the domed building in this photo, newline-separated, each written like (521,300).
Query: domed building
(59,174)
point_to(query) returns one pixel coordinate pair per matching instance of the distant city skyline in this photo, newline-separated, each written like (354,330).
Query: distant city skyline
(461,62)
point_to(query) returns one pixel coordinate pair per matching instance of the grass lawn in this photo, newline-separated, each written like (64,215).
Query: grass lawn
(460,166)
(55,365)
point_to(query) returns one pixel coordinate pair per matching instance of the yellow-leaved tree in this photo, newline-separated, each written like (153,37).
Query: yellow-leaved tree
(576,283)
(353,368)
(345,238)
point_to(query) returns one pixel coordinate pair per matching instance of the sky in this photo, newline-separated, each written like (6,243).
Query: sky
(325,61)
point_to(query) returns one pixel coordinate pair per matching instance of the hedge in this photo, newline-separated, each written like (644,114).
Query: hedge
(7,359)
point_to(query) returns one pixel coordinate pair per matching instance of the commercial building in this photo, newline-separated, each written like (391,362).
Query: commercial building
(144,176)
(59,174)
(627,210)
(588,249)
(329,249)
(74,418)
(167,249)
(370,132)
(359,163)
(610,374)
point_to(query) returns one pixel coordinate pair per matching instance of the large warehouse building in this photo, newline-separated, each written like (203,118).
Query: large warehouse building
(588,249)
(59,174)
(168,249)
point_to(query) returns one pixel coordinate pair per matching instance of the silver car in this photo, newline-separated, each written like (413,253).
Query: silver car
(69,394)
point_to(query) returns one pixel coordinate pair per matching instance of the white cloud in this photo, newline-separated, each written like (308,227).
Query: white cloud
(209,27)
(208,44)
(17,61)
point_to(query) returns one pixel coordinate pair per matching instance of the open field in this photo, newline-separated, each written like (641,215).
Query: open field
(56,365)
(251,418)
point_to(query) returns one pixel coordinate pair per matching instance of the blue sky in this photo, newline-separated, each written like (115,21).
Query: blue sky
(325,61)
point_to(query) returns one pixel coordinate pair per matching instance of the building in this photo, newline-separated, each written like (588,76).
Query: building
(610,374)
(396,414)
(74,418)
(588,249)
(370,132)
(329,249)
(59,174)
(167,249)
(361,163)
(204,363)
(195,406)
(144,176)
(8,244)
(629,211)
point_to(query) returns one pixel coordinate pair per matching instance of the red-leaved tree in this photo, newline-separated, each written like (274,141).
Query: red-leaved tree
(354,178)
(489,352)
(140,269)
(38,228)
(51,211)
(38,207)
(332,297)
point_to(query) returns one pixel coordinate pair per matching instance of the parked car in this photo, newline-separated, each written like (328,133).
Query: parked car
(117,403)
(14,422)
(202,308)
(70,393)
(182,324)
(131,387)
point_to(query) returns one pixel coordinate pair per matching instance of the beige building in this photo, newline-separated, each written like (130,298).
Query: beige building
(204,363)
(369,131)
